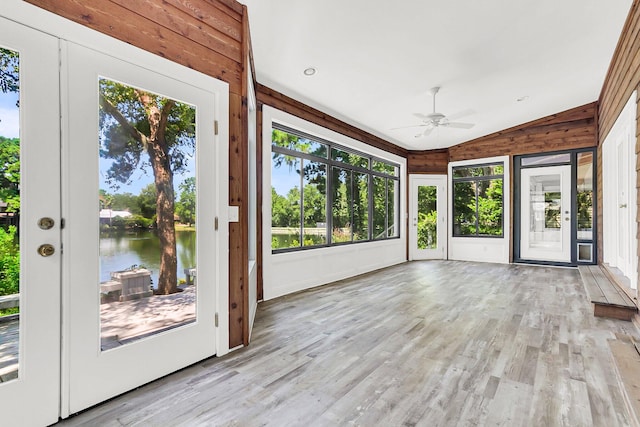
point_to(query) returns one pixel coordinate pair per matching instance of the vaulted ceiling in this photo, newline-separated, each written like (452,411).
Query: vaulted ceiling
(499,63)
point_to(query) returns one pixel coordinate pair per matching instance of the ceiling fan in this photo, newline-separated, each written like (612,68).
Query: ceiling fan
(433,120)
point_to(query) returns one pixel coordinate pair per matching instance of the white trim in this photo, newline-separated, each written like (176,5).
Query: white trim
(482,249)
(285,273)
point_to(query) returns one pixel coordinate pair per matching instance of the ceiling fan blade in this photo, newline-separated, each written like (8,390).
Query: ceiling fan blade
(461,114)
(410,126)
(421,116)
(426,132)
(458,125)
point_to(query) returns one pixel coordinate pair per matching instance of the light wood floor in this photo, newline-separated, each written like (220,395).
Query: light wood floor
(436,343)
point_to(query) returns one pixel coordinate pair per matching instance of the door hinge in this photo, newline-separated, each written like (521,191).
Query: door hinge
(215,127)
(216,320)
(215,224)
(62,222)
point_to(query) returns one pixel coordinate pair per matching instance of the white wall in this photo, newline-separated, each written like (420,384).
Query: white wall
(289,272)
(483,249)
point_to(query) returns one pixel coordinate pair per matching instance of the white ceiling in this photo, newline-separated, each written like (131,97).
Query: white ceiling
(376,60)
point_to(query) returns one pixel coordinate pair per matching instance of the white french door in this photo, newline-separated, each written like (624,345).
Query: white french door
(428,217)
(30,340)
(116,343)
(545,201)
(84,137)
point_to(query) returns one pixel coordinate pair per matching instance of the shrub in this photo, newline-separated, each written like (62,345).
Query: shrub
(9,262)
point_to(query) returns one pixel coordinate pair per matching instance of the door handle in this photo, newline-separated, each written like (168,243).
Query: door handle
(46,250)
(624,205)
(46,223)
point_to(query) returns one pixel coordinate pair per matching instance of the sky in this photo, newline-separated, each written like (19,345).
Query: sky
(9,115)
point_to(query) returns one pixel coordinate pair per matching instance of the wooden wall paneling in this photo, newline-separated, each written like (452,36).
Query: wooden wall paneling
(224,23)
(571,129)
(126,25)
(428,162)
(183,23)
(622,76)
(243,197)
(237,255)
(282,102)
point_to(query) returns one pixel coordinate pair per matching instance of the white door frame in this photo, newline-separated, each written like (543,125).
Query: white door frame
(546,254)
(623,132)
(439,181)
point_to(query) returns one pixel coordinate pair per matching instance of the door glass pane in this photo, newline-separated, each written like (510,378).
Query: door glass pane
(147,202)
(585,196)
(545,211)
(427,217)
(546,160)
(9,214)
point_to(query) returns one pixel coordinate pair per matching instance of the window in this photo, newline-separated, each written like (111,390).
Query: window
(477,200)
(324,194)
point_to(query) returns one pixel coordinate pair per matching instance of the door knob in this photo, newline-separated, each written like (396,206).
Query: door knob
(46,250)
(46,223)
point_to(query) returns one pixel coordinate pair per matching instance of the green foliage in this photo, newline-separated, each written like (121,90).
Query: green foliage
(137,221)
(585,210)
(9,311)
(9,261)
(490,208)
(427,217)
(479,201)
(10,172)
(186,205)
(146,201)
(9,71)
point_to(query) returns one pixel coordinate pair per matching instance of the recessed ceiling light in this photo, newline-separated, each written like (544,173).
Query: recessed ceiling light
(523,98)
(309,71)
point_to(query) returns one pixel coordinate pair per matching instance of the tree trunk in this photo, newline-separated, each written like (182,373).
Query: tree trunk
(163,179)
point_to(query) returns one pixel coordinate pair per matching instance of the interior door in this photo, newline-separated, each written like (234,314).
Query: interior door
(30,191)
(545,198)
(428,217)
(140,205)
(622,206)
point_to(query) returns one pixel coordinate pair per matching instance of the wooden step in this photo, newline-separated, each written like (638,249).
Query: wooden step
(607,298)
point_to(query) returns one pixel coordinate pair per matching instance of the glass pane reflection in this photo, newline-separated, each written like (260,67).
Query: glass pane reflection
(147,213)
(9,214)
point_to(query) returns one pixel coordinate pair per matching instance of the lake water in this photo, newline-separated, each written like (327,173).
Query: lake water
(121,251)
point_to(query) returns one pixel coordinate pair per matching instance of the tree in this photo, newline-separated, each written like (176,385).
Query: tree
(134,122)
(186,206)
(9,72)
(10,173)
(147,201)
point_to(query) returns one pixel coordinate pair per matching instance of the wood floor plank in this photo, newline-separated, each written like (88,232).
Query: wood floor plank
(436,343)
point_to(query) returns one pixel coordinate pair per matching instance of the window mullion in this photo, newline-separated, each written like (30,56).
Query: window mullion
(301,202)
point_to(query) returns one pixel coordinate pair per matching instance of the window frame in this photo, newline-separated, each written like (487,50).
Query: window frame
(476,180)
(330,163)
